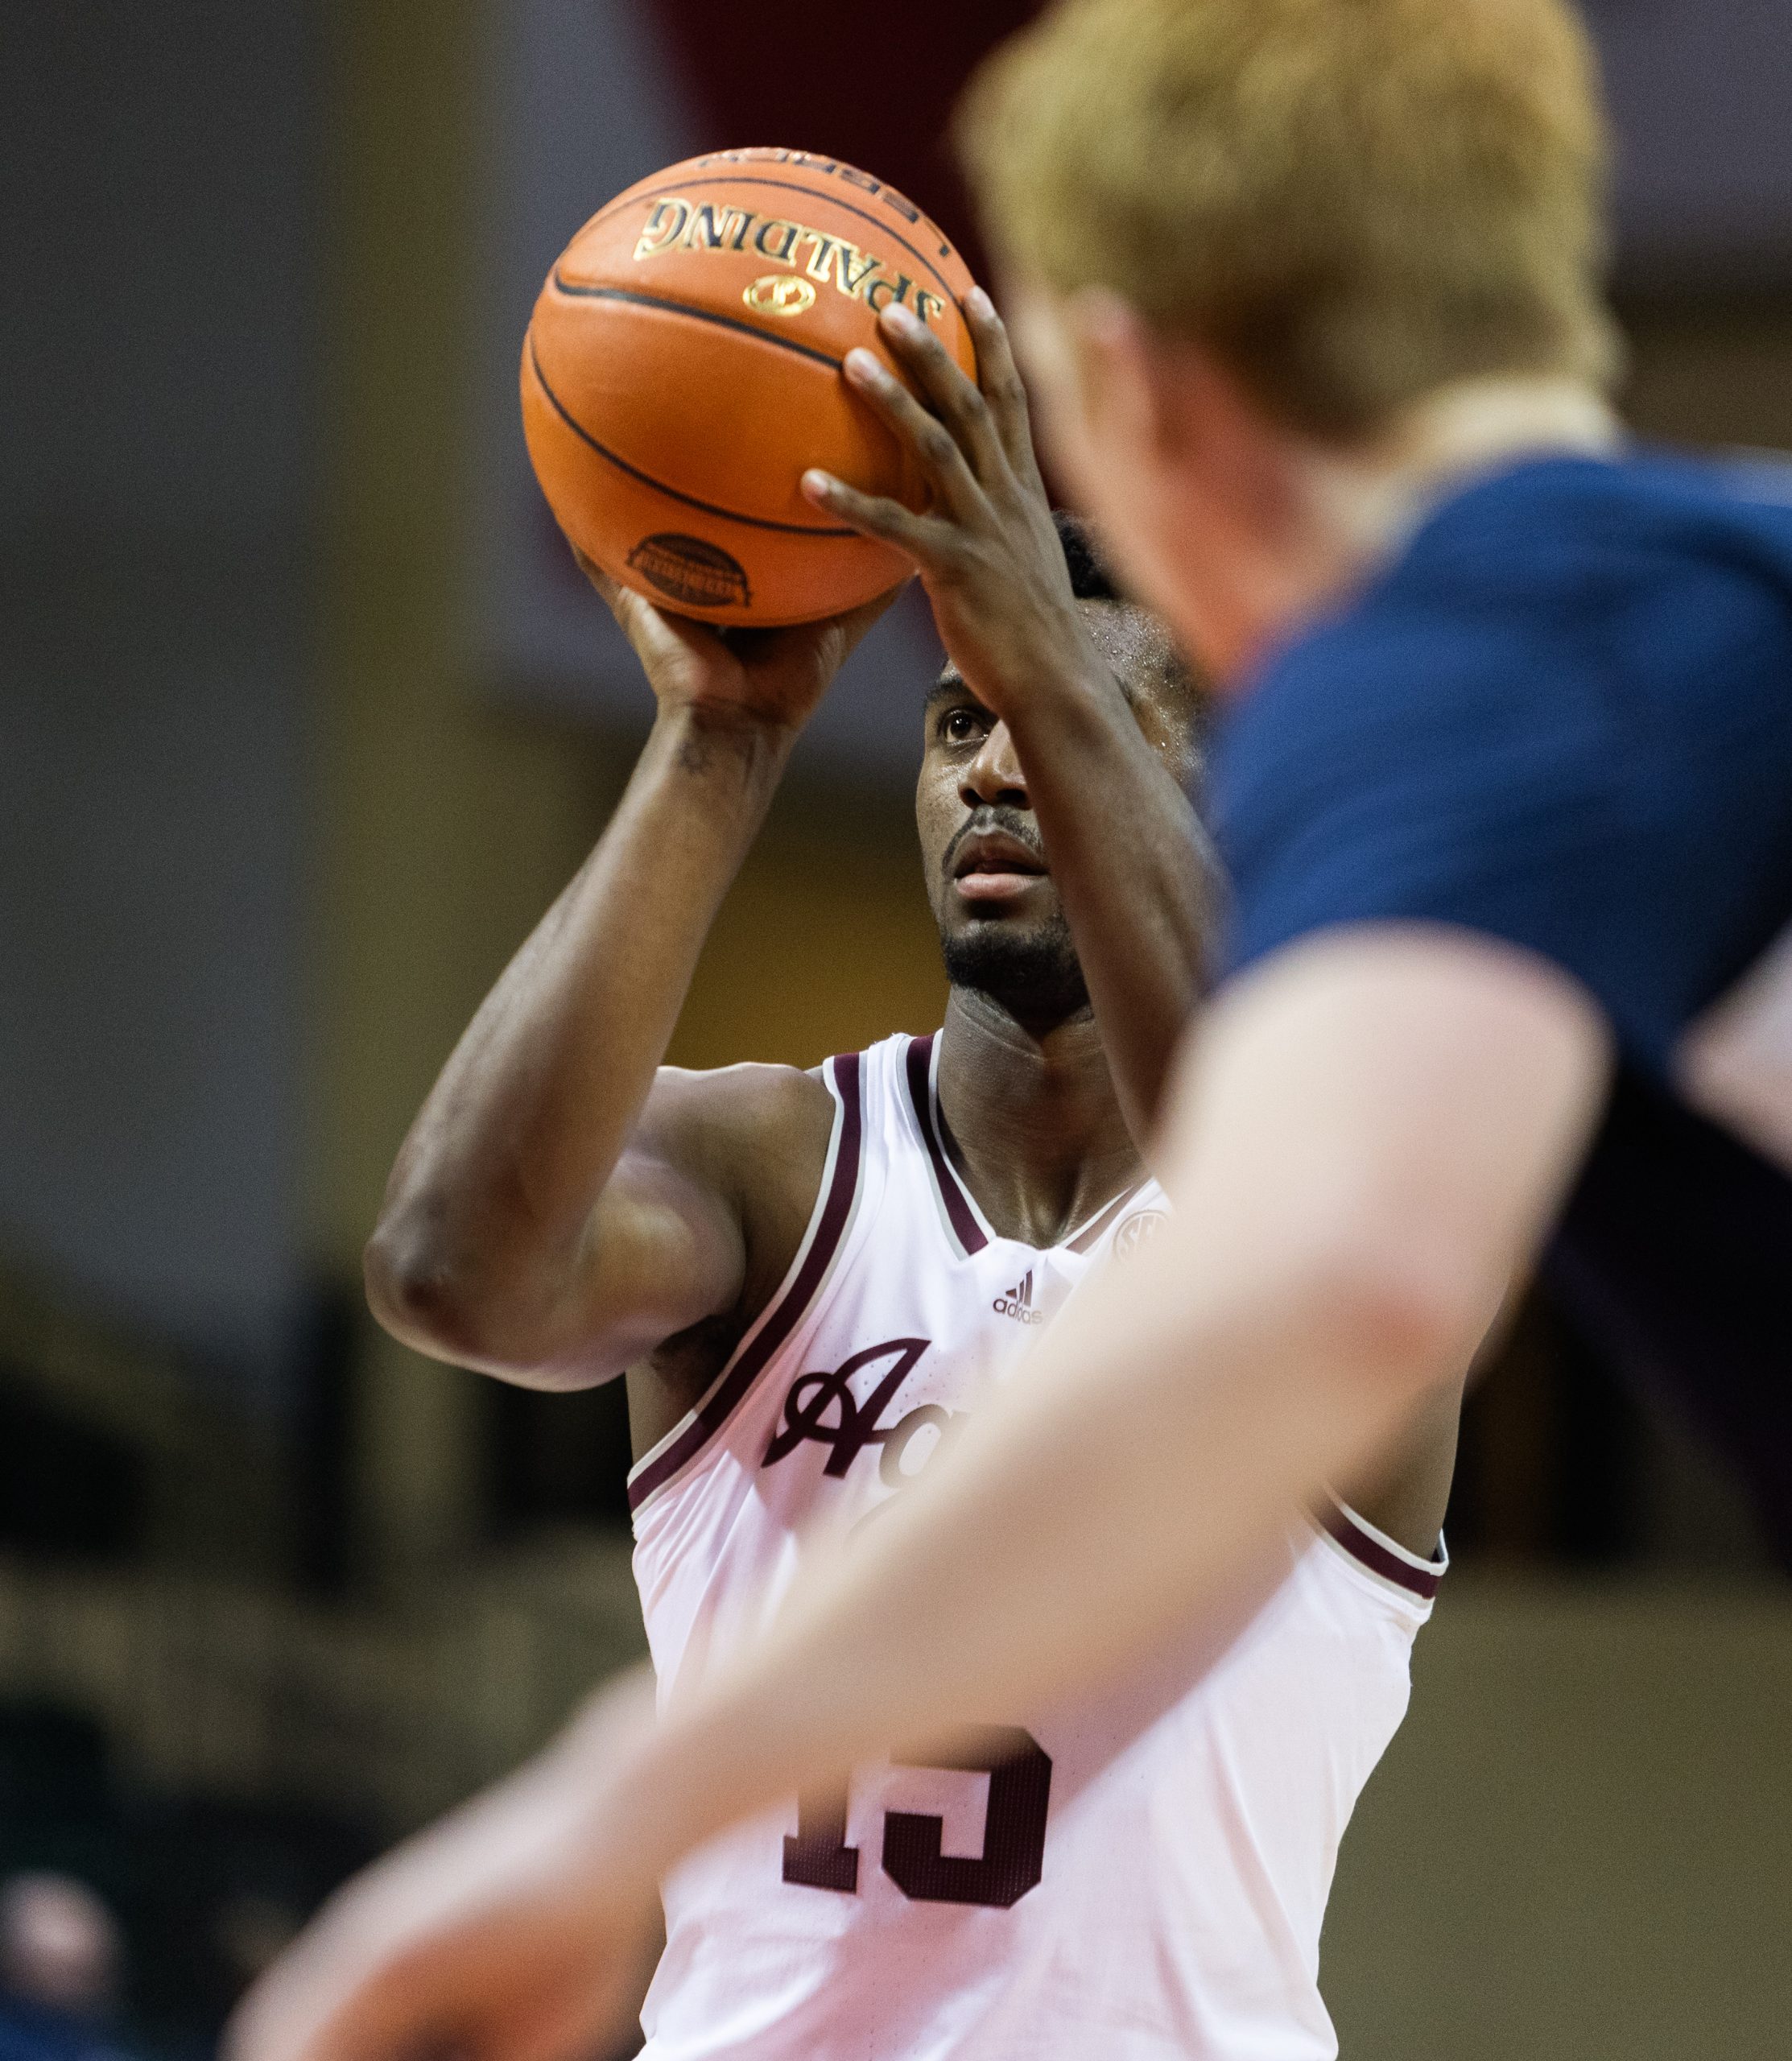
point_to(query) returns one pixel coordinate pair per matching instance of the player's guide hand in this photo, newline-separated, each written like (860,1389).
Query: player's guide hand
(518,1929)
(775,678)
(986,549)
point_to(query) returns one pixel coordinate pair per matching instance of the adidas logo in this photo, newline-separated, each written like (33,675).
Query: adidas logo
(1017,1302)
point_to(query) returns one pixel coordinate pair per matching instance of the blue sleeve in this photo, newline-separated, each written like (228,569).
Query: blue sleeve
(1608,784)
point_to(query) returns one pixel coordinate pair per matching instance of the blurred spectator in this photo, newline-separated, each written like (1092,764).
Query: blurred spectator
(61,1962)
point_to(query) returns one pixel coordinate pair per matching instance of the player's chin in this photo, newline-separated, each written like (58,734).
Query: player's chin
(1026,926)
(1005,926)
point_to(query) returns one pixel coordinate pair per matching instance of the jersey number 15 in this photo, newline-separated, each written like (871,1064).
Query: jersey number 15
(817,1857)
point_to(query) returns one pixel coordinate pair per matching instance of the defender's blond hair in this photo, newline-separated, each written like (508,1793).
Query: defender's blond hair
(1350,202)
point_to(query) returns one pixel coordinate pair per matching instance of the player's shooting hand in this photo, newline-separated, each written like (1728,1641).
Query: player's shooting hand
(517,1930)
(776,677)
(986,549)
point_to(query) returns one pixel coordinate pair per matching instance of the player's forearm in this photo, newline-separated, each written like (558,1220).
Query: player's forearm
(1132,868)
(497,1180)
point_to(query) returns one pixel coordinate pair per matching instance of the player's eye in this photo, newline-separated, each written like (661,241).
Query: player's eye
(960,726)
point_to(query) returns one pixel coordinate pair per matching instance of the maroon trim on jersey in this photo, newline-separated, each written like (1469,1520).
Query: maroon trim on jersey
(959,1212)
(1421,1580)
(1092,1230)
(781,1320)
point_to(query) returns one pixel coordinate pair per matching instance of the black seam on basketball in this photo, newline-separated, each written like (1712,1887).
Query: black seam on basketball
(696,314)
(660,486)
(788,186)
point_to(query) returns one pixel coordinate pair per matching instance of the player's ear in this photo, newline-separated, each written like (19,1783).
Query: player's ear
(1112,396)
(1169,395)
(1117,362)
(1061,376)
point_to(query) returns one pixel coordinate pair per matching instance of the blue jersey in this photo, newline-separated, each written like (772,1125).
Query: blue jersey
(1563,718)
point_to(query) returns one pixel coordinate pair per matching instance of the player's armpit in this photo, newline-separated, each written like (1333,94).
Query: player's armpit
(1406,1492)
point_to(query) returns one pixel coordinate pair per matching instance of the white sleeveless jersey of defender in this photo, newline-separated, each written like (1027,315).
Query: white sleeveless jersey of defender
(1135,1879)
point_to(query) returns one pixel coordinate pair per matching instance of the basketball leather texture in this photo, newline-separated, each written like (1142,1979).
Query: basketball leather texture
(682,369)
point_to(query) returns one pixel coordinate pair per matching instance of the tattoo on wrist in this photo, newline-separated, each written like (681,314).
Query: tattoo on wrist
(705,742)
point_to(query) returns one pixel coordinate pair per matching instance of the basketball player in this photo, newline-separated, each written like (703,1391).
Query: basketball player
(816,1281)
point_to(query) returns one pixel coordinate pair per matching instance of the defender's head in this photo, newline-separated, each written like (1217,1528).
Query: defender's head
(1238,235)
(1002,929)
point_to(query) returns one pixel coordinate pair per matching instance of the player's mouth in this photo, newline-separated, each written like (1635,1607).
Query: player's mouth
(990,865)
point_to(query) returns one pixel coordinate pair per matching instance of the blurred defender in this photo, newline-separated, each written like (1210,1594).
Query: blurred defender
(815,1280)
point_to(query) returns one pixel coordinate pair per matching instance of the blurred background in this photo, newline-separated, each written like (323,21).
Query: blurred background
(304,717)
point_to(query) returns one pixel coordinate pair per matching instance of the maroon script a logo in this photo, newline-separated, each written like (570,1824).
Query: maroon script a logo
(823,1407)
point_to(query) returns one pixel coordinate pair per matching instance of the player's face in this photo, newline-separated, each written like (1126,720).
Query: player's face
(1002,928)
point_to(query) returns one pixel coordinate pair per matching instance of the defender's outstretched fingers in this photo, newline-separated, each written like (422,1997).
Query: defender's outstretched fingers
(950,396)
(1003,388)
(874,514)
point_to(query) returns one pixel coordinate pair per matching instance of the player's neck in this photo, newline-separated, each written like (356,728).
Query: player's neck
(1034,1122)
(1342,515)
(1371,501)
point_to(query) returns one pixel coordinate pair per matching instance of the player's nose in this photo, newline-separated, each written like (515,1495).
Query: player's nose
(995,774)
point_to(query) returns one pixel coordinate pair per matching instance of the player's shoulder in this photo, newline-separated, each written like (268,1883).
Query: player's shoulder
(1560,718)
(741,1125)
(1569,606)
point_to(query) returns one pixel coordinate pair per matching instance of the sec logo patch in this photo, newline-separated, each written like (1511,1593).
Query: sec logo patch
(1134,1232)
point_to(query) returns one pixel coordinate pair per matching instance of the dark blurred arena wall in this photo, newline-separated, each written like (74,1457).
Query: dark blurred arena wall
(159,340)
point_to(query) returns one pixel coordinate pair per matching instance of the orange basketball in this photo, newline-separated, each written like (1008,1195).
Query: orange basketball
(682,368)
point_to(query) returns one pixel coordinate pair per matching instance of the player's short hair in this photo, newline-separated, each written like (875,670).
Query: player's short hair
(1351,202)
(1090,581)
(1089,578)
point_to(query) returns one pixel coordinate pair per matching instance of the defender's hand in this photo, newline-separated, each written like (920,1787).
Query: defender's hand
(776,677)
(987,551)
(511,1931)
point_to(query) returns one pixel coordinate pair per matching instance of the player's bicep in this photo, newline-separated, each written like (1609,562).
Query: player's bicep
(665,1248)
(719,1177)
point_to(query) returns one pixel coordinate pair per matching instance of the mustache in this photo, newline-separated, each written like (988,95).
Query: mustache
(1009,821)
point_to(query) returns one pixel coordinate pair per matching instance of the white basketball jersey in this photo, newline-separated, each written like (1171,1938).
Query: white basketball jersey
(1129,1879)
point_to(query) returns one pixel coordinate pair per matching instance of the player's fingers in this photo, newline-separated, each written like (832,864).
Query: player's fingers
(630,610)
(638,618)
(935,447)
(655,633)
(596,574)
(874,515)
(1004,391)
(586,2018)
(952,398)
(418,2003)
(299,2014)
